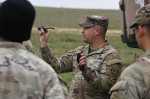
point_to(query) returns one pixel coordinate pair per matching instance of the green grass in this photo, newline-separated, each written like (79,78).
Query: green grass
(63,41)
(70,18)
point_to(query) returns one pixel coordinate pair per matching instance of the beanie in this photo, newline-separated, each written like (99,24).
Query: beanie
(16,20)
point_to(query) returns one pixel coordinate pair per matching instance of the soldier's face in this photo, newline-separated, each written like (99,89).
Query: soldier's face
(88,34)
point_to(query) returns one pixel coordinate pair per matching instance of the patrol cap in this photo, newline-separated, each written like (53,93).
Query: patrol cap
(95,20)
(142,16)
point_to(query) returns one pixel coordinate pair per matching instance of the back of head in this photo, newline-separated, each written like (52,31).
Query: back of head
(16,20)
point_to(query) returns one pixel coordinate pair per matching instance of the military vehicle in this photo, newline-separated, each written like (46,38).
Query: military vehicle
(128,9)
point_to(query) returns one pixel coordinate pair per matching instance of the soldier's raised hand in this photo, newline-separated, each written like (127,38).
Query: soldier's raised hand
(44,36)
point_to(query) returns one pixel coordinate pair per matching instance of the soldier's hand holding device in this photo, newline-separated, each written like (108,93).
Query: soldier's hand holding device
(78,60)
(44,35)
(81,59)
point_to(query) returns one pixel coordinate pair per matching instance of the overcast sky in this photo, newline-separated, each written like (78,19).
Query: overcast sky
(88,4)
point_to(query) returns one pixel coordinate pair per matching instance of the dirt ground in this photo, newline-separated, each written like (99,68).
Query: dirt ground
(72,30)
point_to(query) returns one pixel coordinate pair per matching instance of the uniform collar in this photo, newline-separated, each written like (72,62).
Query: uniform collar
(146,54)
(11,45)
(99,50)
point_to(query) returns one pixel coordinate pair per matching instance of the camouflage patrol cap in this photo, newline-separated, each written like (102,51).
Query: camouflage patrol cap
(95,20)
(142,16)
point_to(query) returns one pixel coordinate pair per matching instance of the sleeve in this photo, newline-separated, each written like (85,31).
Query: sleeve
(104,77)
(52,88)
(60,65)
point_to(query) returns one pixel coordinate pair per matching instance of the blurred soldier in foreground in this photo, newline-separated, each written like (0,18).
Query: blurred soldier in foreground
(134,82)
(22,74)
(99,63)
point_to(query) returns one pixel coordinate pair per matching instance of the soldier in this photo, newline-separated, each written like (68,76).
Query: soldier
(22,74)
(100,61)
(134,82)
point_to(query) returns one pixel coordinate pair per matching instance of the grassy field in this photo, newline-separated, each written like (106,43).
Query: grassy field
(70,18)
(67,35)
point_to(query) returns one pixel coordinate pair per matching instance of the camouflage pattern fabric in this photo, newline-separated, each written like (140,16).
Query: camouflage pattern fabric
(64,87)
(134,82)
(28,45)
(25,76)
(30,48)
(104,67)
(92,20)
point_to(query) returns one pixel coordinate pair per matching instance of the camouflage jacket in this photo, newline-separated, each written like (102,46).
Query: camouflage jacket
(104,67)
(134,82)
(25,76)
(28,45)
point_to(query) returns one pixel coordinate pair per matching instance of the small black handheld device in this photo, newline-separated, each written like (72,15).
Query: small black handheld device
(78,58)
(44,28)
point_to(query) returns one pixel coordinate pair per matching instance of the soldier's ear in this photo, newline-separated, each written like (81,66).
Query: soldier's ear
(97,30)
(141,32)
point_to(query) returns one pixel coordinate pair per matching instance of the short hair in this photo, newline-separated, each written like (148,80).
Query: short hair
(103,30)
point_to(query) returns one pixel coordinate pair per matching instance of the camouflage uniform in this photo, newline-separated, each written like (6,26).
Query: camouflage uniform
(28,45)
(134,82)
(30,48)
(25,76)
(104,67)
(64,87)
